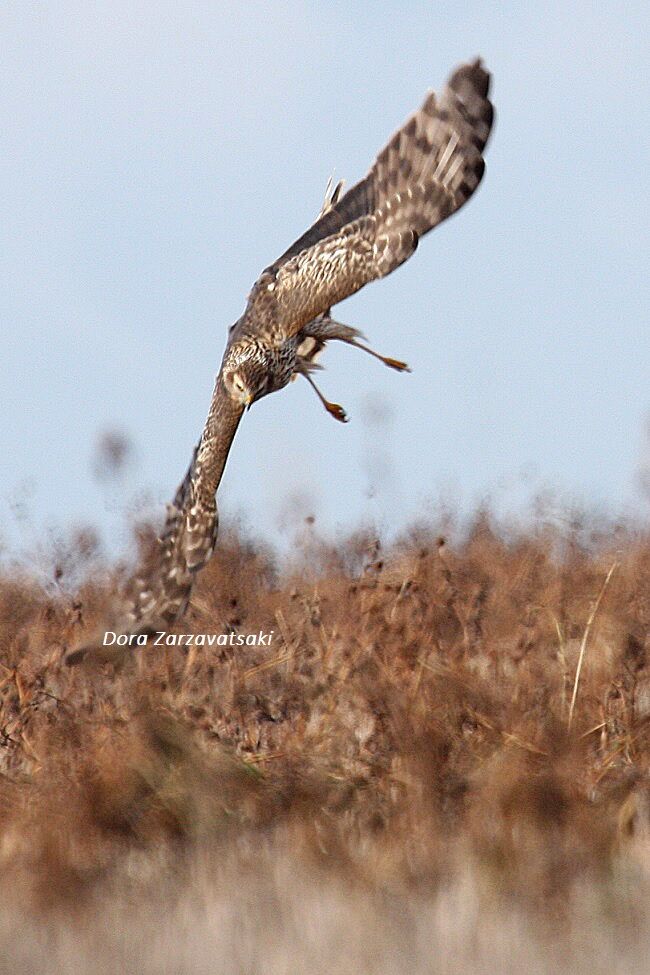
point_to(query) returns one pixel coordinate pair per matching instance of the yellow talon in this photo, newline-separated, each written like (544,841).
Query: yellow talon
(337,412)
(396,364)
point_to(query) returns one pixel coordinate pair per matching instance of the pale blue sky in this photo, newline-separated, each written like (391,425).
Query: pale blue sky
(156,156)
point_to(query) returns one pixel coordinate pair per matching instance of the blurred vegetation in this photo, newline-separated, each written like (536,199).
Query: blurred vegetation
(416,717)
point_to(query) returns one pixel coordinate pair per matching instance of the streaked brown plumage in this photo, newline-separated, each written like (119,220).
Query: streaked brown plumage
(428,170)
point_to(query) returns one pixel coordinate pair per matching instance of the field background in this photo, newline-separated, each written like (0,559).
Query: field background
(410,779)
(399,783)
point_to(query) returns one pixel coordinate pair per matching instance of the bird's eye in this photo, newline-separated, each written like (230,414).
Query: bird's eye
(238,384)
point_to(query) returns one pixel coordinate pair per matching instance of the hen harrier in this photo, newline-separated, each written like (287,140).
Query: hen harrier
(428,170)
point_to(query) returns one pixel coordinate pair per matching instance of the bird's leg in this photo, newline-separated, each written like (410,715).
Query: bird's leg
(332,408)
(386,359)
(326,328)
(305,368)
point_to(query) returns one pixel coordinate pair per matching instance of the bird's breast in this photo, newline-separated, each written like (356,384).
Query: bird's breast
(282,364)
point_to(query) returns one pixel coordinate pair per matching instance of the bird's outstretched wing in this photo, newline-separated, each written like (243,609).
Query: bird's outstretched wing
(159,592)
(188,538)
(428,170)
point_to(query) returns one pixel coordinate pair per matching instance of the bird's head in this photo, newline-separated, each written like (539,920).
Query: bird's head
(245,373)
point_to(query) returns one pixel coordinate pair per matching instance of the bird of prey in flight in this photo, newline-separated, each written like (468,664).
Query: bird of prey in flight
(429,169)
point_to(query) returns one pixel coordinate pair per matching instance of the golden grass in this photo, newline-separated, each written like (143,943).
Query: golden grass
(425,714)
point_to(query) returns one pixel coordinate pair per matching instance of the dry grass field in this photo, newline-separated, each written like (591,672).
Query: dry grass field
(408,779)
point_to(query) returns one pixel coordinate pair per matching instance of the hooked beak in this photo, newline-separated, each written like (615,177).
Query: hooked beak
(249,402)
